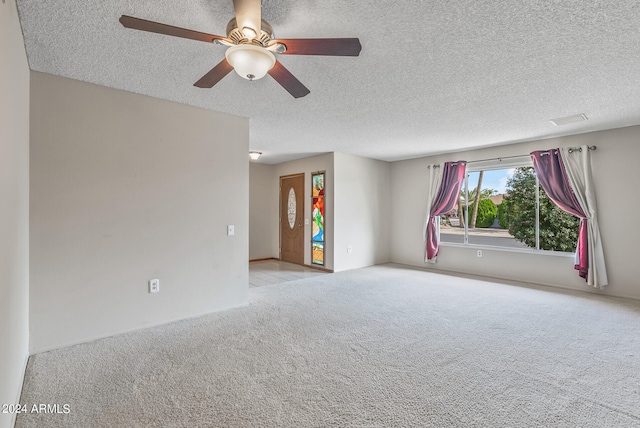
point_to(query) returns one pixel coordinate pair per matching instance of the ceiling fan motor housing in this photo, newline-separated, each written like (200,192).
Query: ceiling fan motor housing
(239,37)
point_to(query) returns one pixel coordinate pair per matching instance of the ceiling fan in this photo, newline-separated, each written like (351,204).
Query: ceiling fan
(252,47)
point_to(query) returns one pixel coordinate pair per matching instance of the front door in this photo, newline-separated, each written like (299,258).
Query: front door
(292,218)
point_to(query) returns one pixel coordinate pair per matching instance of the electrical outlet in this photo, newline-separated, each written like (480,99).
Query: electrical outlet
(154,286)
(349,249)
(479,253)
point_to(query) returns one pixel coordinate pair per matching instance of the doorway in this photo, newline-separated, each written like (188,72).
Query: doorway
(292,218)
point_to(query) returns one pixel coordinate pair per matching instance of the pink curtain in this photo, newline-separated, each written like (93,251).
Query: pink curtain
(553,178)
(445,200)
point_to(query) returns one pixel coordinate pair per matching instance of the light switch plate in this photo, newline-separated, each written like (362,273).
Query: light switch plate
(231,230)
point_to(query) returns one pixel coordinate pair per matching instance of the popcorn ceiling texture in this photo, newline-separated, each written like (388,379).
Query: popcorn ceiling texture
(383,346)
(432,76)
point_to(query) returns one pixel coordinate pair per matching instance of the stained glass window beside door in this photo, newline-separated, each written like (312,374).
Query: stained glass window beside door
(317,218)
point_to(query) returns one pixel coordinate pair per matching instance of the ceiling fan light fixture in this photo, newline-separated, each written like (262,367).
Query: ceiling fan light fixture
(249,61)
(254,155)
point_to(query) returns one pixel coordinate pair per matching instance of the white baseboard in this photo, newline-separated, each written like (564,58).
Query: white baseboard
(81,341)
(24,371)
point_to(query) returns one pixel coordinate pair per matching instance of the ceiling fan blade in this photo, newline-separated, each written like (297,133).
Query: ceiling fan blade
(288,81)
(329,47)
(214,75)
(248,14)
(170,30)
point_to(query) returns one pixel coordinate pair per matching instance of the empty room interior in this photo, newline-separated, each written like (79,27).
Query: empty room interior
(378,261)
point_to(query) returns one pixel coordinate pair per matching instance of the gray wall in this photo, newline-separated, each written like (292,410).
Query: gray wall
(308,165)
(362,211)
(125,188)
(14,207)
(263,211)
(357,210)
(265,195)
(615,173)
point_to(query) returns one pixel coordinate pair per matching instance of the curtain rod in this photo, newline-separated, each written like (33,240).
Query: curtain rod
(438,165)
(500,158)
(579,149)
(570,150)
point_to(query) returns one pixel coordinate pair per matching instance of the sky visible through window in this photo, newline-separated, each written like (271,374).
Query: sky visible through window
(495,179)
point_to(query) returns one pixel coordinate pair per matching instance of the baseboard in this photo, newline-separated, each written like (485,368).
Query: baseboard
(132,330)
(515,281)
(24,372)
(323,269)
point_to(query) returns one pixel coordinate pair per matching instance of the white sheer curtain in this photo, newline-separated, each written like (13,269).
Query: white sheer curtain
(433,186)
(577,165)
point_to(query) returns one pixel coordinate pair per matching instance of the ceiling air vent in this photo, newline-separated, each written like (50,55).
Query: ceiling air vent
(569,119)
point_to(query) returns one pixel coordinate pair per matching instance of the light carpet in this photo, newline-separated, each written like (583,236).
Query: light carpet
(384,346)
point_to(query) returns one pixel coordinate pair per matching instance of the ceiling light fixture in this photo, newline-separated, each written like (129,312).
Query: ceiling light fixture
(254,155)
(569,119)
(249,61)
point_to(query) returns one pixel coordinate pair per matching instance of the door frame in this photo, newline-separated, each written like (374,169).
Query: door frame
(304,208)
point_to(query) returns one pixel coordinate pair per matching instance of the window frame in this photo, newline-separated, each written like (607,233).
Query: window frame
(492,165)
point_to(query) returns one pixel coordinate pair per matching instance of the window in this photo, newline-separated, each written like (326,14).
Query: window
(506,207)
(317,218)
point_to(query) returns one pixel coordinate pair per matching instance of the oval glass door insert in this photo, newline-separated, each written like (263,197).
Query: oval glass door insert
(291,208)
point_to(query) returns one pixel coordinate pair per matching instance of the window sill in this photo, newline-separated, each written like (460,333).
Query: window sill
(509,250)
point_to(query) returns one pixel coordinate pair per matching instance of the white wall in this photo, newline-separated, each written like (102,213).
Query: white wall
(616,173)
(357,209)
(264,240)
(14,207)
(263,212)
(125,188)
(362,211)
(308,165)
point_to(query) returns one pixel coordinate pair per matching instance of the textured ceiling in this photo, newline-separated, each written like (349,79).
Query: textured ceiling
(432,76)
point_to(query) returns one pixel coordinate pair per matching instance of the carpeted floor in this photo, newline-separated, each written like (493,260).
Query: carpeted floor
(385,346)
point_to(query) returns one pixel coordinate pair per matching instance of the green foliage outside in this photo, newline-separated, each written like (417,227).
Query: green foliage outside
(502,216)
(484,194)
(487,211)
(558,229)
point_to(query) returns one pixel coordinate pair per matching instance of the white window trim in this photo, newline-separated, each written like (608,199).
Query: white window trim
(495,164)
(509,249)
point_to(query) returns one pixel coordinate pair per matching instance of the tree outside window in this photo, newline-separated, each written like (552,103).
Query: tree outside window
(498,208)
